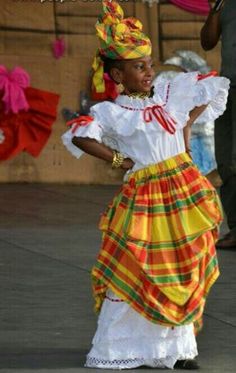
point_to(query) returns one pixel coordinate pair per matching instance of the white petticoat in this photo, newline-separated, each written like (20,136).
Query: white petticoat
(124,339)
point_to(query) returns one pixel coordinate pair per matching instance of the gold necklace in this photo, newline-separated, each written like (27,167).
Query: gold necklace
(139,95)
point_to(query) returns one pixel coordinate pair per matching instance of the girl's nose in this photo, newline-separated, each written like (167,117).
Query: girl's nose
(149,71)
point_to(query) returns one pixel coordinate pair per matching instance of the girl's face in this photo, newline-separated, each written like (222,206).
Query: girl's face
(137,75)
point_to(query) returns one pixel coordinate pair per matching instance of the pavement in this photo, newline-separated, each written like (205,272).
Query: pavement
(48,244)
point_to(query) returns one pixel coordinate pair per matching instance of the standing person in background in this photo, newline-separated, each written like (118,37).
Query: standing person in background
(221,22)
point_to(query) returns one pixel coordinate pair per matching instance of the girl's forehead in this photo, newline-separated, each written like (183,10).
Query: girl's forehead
(145,59)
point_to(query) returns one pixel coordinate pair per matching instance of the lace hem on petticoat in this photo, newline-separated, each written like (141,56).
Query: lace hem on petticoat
(124,339)
(93,362)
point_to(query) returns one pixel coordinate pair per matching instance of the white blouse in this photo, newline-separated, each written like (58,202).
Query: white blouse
(150,130)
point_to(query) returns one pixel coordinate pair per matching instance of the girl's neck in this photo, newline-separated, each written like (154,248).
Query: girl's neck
(137,94)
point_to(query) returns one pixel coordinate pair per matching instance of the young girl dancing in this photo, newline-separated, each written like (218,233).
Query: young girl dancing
(157,260)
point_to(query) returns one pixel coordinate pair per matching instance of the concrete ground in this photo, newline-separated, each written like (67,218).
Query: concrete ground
(48,243)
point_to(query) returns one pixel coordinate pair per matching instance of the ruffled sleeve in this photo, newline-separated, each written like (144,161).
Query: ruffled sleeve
(90,127)
(189,90)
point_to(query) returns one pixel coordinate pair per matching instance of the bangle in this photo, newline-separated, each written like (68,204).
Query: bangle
(218,5)
(117,160)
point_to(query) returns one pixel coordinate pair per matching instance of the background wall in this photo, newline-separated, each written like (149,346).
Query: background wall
(27,30)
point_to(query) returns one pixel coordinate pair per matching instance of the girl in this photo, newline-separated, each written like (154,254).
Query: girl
(157,260)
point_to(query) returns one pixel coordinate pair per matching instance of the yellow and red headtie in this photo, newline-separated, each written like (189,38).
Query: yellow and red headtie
(120,39)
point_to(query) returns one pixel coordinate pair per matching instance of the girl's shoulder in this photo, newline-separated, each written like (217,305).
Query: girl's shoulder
(104,111)
(123,116)
(170,78)
(100,107)
(169,82)
(181,92)
(184,79)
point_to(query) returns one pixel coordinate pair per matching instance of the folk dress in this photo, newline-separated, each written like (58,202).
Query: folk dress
(157,260)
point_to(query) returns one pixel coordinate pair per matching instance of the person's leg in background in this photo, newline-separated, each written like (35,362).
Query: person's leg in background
(225,148)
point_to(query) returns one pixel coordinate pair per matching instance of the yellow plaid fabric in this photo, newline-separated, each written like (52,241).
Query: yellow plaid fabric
(119,37)
(158,250)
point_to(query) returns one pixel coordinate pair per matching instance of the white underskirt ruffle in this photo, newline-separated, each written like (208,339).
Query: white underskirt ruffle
(124,339)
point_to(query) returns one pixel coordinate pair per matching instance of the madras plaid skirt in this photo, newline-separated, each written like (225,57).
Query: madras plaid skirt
(158,248)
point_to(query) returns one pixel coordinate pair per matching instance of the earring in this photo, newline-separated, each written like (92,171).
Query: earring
(120,88)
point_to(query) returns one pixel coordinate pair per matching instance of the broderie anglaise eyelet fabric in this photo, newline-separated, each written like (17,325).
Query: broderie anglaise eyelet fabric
(122,364)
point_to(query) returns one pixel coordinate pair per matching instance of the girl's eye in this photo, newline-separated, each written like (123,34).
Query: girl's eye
(139,67)
(151,65)
(142,67)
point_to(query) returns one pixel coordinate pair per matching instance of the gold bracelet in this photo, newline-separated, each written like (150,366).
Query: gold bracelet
(117,160)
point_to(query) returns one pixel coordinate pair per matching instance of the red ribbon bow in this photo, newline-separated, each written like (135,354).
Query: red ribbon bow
(161,117)
(83,120)
(13,84)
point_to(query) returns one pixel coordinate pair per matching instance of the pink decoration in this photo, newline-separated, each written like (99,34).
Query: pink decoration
(59,48)
(201,7)
(12,84)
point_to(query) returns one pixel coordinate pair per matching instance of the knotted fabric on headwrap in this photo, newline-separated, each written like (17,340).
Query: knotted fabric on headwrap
(12,86)
(120,38)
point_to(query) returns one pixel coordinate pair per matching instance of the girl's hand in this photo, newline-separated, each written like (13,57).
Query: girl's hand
(98,150)
(127,164)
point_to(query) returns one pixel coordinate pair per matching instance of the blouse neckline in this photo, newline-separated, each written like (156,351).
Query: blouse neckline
(135,102)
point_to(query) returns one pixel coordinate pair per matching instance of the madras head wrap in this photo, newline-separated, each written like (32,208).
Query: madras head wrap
(120,39)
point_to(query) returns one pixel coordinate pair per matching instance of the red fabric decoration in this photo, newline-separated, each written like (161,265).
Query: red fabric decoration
(81,121)
(111,91)
(204,76)
(201,7)
(29,130)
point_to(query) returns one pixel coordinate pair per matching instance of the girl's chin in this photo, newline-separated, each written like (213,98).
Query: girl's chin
(147,87)
(143,89)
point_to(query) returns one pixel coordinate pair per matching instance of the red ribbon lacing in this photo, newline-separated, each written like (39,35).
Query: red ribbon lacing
(157,112)
(204,76)
(81,121)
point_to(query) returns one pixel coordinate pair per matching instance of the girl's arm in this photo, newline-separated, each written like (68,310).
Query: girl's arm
(98,150)
(194,114)
(211,30)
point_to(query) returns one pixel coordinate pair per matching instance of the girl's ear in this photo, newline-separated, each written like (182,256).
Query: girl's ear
(116,74)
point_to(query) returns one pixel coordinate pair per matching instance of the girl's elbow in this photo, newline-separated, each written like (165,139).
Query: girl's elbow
(74,141)
(77,141)
(84,143)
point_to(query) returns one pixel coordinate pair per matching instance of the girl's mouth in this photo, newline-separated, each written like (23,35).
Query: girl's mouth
(147,83)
